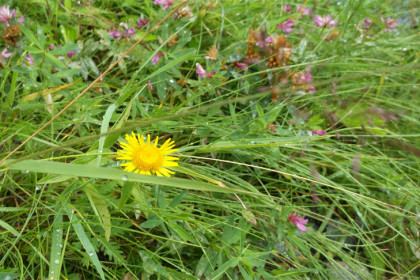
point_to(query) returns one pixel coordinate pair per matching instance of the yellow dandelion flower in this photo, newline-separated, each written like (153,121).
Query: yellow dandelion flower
(145,158)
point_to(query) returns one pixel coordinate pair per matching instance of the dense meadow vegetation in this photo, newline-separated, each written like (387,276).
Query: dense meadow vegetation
(169,139)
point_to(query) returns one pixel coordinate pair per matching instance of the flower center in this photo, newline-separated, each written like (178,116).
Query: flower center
(147,158)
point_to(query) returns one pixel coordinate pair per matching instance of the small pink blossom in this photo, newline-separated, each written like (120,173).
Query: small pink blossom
(203,73)
(303,10)
(51,47)
(241,65)
(142,22)
(166,3)
(117,35)
(4,54)
(29,60)
(156,58)
(298,221)
(390,23)
(325,21)
(269,40)
(286,26)
(129,32)
(286,8)
(319,132)
(21,19)
(149,85)
(367,23)
(6,14)
(303,77)
(311,89)
(70,54)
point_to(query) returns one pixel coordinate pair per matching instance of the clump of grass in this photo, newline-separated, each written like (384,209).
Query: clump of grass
(284,121)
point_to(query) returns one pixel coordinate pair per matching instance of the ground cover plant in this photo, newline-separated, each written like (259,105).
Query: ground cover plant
(199,139)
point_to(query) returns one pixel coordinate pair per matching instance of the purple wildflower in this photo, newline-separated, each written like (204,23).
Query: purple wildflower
(129,32)
(286,8)
(303,77)
(4,54)
(166,3)
(70,54)
(142,22)
(325,21)
(390,23)
(21,19)
(319,132)
(303,10)
(269,39)
(115,34)
(367,23)
(28,61)
(286,26)
(51,47)
(203,73)
(156,58)
(6,14)
(241,65)
(298,221)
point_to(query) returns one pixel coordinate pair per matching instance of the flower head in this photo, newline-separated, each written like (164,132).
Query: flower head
(286,8)
(165,3)
(129,32)
(70,54)
(298,221)
(114,33)
(145,157)
(29,60)
(142,22)
(6,14)
(325,21)
(212,53)
(319,132)
(203,73)
(390,23)
(286,26)
(4,54)
(367,23)
(156,58)
(303,10)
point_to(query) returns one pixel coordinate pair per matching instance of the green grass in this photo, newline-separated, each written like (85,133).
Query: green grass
(68,211)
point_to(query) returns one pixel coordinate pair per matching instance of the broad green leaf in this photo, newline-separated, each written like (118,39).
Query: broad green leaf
(55,61)
(31,37)
(78,170)
(8,227)
(100,208)
(64,49)
(125,194)
(151,223)
(31,49)
(222,269)
(104,128)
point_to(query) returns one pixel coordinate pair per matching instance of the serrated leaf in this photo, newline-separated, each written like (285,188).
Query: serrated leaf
(31,37)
